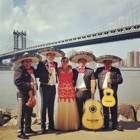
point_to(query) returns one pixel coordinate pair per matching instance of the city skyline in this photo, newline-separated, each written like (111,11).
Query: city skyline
(133,59)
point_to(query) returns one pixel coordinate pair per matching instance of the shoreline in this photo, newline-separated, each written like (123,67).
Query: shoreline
(126,119)
(131,132)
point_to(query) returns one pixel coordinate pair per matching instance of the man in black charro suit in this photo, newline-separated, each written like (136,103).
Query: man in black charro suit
(84,79)
(22,80)
(113,80)
(47,71)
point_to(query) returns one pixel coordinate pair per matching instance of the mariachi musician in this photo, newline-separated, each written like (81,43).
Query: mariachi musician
(47,70)
(113,80)
(24,80)
(84,79)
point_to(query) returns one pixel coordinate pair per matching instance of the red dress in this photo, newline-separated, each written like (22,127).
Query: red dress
(66,115)
(66,89)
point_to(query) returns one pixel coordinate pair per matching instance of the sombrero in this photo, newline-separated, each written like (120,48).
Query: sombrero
(82,54)
(113,58)
(34,57)
(57,52)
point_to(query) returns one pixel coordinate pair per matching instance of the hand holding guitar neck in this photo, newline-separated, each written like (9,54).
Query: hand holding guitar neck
(33,83)
(109,82)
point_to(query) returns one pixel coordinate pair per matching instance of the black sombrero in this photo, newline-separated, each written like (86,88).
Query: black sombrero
(89,57)
(57,52)
(113,58)
(34,57)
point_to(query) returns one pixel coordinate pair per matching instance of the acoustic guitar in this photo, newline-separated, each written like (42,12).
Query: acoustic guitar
(108,99)
(92,117)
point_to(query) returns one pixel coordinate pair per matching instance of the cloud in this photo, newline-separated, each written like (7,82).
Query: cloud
(60,19)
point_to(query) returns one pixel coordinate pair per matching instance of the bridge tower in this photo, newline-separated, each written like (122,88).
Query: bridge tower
(18,34)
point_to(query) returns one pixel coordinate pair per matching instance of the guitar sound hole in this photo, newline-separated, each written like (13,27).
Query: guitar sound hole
(108,93)
(92,109)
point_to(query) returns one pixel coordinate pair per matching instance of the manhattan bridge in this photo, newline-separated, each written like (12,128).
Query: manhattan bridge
(125,26)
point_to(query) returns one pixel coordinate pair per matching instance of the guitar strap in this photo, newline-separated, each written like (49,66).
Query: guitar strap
(105,84)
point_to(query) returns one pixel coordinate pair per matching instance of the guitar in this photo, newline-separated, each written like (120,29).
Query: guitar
(92,118)
(108,99)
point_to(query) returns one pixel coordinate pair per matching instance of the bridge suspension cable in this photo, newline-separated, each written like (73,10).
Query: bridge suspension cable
(32,39)
(35,39)
(128,18)
(7,46)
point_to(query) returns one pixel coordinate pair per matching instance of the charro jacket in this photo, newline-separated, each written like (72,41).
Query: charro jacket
(88,77)
(42,70)
(22,80)
(115,76)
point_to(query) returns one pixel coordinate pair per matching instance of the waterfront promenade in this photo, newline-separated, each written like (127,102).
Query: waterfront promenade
(131,132)
(5,68)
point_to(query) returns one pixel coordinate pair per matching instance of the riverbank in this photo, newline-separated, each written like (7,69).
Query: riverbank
(131,132)
(128,118)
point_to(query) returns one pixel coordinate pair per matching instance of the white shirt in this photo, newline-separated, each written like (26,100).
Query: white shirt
(53,75)
(105,83)
(80,83)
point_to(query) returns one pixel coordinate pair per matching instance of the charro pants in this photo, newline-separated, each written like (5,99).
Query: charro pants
(81,97)
(113,111)
(24,112)
(47,102)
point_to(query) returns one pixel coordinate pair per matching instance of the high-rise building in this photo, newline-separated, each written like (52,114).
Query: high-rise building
(130,59)
(136,59)
(133,59)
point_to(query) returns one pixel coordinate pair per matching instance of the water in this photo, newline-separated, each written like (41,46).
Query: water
(129,90)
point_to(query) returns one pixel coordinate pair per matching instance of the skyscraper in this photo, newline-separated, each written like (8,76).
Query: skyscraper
(130,59)
(133,59)
(136,59)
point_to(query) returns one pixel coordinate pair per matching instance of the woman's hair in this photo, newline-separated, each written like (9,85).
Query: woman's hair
(64,58)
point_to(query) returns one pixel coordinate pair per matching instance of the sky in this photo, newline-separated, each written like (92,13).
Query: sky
(54,20)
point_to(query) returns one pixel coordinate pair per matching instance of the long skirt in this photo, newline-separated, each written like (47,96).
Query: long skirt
(66,115)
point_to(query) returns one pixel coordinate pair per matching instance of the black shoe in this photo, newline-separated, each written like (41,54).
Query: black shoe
(80,128)
(29,131)
(117,128)
(105,127)
(52,129)
(43,131)
(23,136)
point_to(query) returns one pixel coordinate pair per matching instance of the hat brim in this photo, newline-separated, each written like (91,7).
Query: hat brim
(89,57)
(34,57)
(113,58)
(57,52)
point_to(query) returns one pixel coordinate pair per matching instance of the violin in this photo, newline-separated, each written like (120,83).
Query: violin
(32,101)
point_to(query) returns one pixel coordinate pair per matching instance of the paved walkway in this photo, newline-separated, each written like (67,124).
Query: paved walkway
(131,132)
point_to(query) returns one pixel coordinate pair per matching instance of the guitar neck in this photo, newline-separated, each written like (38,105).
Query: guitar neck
(108,77)
(92,96)
(33,92)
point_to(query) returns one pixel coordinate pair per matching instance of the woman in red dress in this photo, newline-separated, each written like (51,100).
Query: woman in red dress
(66,117)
